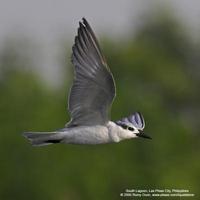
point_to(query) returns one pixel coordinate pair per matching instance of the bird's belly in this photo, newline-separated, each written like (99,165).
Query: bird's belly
(87,135)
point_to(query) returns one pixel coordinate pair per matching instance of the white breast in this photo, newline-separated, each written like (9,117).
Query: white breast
(87,135)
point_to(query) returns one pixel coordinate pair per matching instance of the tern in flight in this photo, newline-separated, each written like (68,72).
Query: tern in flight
(90,100)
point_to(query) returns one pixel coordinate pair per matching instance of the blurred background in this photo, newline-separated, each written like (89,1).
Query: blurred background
(153,50)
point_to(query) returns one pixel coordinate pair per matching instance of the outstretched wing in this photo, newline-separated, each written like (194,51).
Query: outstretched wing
(93,88)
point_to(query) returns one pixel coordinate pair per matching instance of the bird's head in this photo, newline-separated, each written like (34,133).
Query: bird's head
(133,125)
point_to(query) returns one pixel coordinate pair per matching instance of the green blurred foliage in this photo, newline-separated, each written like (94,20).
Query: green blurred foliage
(156,72)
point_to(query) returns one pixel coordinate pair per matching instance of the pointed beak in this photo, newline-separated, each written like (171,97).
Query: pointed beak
(141,134)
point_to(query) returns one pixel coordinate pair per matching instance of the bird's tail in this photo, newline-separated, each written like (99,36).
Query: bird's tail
(43,138)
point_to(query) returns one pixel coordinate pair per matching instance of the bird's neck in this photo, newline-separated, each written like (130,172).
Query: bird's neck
(117,133)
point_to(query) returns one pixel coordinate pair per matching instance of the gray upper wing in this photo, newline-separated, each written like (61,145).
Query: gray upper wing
(93,88)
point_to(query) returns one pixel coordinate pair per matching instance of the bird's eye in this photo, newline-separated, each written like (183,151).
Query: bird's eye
(130,128)
(124,126)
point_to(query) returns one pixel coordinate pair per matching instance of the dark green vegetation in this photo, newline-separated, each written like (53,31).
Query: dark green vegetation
(157,73)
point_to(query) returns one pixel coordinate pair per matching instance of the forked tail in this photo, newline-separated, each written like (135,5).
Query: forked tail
(43,138)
